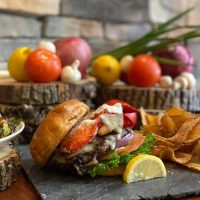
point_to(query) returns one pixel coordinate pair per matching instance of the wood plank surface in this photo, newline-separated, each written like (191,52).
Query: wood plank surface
(21,189)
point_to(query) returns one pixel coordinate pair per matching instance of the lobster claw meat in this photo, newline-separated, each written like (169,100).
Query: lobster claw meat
(78,137)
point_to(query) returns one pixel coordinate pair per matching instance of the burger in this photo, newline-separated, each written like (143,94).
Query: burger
(99,142)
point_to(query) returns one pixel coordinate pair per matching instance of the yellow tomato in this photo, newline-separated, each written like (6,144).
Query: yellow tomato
(106,69)
(16,63)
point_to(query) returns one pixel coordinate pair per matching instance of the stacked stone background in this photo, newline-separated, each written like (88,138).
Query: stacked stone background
(105,24)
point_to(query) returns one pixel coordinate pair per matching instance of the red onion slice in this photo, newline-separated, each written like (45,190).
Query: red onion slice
(125,139)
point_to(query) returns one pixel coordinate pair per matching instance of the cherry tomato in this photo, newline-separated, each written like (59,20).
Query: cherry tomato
(144,71)
(127,108)
(43,66)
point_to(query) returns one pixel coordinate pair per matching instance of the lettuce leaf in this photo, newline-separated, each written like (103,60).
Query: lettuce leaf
(115,159)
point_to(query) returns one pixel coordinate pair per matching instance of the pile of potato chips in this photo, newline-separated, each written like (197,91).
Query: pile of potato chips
(177,136)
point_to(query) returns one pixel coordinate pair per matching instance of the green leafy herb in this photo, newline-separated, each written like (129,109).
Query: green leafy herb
(144,43)
(115,159)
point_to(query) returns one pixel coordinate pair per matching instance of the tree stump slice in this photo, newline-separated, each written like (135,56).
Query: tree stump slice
(154,98)
(31,114)
(9,168)
(17,93)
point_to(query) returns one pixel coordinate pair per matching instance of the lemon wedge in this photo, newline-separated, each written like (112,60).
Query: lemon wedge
(144,167)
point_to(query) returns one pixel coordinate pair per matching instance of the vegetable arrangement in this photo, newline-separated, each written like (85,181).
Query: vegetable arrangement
(145,60)
(51,61)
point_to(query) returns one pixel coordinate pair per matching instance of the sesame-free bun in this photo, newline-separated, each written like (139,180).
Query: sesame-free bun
(54,127)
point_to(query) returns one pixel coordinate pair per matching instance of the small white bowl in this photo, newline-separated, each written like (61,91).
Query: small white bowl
(19,129)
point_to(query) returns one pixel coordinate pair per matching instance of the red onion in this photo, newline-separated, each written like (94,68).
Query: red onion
(125,139)
(72,48)
(178,53)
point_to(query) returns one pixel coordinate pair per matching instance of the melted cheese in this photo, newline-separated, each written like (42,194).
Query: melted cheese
(116,108)
(114,122)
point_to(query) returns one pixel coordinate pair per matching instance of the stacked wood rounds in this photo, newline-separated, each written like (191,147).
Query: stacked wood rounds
(9,168)
(32,101)
(153,98)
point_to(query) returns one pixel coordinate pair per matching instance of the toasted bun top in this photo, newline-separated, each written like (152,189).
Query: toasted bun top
(54,127)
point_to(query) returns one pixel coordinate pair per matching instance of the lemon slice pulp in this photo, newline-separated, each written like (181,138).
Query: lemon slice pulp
(144,167)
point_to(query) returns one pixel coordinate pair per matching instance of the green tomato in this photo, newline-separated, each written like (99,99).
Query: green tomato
(16,63)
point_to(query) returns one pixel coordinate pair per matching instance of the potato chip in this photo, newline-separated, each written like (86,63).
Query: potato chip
(166,153)
(157,129)
(194,163)
(147,118)
(176,111)
(194,134)
(168,125)
(184,131)
(180,119)
(161,141)
(177,136)
(196,149)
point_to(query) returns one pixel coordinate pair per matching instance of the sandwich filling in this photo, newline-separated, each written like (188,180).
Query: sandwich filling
(95,141)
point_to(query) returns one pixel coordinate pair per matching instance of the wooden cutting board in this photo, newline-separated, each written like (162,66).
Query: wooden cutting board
(21,189)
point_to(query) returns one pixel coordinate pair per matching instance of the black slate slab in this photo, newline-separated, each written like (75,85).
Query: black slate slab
(180,182)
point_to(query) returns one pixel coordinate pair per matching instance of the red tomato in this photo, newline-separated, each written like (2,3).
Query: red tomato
(136,142)
(127,108)
(144,71)
(130,120)
(43,66)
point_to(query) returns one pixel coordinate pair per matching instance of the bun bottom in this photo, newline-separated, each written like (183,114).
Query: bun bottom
(117,171)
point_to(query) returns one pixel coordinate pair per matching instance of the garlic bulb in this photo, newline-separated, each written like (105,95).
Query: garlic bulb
(70,73)
(190,78)
(180,82)
(166,81)
(125,63)
(47,45)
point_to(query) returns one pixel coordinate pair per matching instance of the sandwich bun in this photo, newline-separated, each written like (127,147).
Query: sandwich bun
(54,128)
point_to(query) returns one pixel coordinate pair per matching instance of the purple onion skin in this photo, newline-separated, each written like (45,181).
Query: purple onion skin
(180,53)
(125,140)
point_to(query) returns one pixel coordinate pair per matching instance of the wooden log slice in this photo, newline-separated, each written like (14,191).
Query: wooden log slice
(12,92)
(32,115)
(151,98)
(9,168)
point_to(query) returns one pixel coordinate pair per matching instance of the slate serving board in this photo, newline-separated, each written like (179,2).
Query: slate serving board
(180,182)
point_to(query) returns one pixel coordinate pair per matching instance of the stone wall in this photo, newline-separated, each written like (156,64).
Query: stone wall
(104,24)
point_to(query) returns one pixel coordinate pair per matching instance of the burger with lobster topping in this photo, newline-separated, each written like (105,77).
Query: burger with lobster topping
(101,142)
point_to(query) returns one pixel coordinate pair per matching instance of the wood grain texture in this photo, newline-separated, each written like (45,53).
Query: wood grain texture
(12,92)
(151,98)
(31,115)
(21,189)
(9,169)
